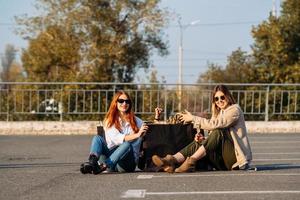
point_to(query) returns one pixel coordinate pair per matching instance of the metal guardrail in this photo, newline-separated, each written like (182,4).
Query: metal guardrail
(83,101)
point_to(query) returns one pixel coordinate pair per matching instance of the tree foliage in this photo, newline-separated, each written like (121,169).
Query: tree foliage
(275,52)
(276,48)
(238,70)
(92,40)
(53,55)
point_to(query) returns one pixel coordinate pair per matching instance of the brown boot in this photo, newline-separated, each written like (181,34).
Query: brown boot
(187,166)
(167,163)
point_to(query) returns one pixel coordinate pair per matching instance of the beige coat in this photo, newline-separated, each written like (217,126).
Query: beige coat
(232,118)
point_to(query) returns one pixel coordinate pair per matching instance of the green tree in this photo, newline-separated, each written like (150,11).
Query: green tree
(238,70)
(275,52)
(52,56)
(276,47)
(213,74)
(113,38)
(15,72)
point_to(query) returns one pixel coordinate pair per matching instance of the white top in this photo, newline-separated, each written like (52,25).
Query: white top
(114,137)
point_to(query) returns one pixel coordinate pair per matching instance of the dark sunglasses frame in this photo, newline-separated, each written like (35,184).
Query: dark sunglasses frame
(219,98)
(127,101)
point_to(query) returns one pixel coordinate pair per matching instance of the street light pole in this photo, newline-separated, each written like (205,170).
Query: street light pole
(180,57)
(180,53)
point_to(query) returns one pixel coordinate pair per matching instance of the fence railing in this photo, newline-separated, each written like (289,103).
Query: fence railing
(90,101)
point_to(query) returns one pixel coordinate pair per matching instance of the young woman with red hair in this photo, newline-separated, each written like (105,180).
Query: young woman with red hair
(119,150)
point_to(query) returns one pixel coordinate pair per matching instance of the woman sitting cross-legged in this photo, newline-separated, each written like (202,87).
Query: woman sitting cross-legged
(119,150)
(227,146)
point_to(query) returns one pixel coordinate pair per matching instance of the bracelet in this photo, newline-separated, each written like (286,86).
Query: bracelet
(156,119)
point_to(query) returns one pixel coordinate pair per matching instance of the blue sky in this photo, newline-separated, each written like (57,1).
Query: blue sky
(223,27)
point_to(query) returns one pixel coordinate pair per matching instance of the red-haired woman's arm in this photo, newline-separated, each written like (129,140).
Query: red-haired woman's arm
(140,133)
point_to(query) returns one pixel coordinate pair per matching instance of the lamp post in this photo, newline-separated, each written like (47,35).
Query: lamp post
(182,27)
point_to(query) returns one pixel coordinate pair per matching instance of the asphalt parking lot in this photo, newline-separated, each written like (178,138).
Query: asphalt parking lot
(47,167)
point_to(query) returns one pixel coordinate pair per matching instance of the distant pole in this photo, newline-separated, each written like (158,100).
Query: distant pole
(180,57)
(267,104)
(180,53)
(274,9)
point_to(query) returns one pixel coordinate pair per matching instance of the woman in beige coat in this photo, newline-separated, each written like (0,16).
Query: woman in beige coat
(227,145)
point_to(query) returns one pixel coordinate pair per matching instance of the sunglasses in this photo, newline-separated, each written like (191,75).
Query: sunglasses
(220,98)
(127,101)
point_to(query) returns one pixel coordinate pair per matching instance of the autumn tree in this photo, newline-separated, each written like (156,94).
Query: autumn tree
(52,56)
(275,52)
(238,70)
(276,47)
(92,40)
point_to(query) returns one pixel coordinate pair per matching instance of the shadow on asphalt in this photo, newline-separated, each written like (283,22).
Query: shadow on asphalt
(266,167)
(276,166)
(7,166)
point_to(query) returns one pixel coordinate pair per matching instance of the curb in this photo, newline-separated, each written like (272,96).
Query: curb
(90,127)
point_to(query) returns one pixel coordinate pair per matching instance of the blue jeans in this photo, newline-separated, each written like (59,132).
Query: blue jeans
(120,158)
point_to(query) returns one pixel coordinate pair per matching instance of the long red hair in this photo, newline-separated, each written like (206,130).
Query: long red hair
(112,116)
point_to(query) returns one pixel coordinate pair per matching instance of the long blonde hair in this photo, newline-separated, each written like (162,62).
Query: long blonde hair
(222,88)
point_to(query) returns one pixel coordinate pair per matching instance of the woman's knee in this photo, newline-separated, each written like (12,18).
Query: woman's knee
(98,139)
(213,140)
(215,133)
(125,147)
(125,144)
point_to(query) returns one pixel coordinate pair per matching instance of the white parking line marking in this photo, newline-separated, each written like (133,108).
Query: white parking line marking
(276,147)
(142,193)
(275,142)
(279,137)
(144,176)
(134,194)
(277,159)
(214,175)
(279,153)
(225,192)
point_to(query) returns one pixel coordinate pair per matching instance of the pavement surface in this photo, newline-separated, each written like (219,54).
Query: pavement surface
(47,167)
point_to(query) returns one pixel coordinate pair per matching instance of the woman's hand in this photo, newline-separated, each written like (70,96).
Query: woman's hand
(158,111)
(199,137)
(186,117)
(142,130)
